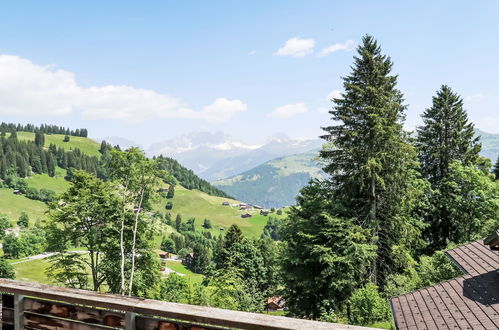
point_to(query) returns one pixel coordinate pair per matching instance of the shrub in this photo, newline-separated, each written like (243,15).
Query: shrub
(367,306)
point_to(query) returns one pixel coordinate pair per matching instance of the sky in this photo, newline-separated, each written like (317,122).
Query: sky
(151,70)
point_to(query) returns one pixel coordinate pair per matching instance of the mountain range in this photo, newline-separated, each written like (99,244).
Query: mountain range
(270,174)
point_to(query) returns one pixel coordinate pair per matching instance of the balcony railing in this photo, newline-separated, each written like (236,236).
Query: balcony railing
(27,305)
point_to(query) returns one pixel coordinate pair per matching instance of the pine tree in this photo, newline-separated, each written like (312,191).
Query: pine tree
(39,139)
(371,161)
(445,137)
(325,258)
(495,170)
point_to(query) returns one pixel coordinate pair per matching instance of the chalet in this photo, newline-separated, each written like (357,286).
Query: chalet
(264,213)
(235,205)
(17,192)
(243,204)
(246,215)
(258,207)
(274,303)
(189,259)
(225,203)
(164,255)
(470,301)
(243,207)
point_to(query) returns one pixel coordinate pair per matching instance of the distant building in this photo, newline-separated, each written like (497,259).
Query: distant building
(164,255)
(225,203)
(243,207)
(236,205)
(246,215)
(258,207)
(274,303)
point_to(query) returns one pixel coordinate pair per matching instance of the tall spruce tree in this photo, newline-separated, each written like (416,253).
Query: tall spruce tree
(495,170)
(445,137)
(371,160)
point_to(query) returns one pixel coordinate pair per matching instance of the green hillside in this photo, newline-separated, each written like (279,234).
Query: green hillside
(199,205)
(275,183)
(12,206)
(57,183)
(490,144)
(86,145)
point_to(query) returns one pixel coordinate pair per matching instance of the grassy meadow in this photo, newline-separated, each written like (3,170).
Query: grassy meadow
(86,145)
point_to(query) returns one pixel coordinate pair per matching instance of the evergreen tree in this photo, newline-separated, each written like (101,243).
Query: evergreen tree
(495,170)
(39,139)
(371,159)
(171,191)
(178,222)
(445,137)
(325,258)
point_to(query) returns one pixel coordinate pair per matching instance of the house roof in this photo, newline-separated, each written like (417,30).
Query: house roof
(470,301)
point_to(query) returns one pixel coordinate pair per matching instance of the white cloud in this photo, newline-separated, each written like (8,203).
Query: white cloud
(296,47)
(27,89)
(322,110)
(288,110)
(475,97)
(345,46)
(335,94)
(252,52)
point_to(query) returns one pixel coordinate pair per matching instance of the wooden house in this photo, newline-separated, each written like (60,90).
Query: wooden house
(164,255)
(274,303)
(469,301)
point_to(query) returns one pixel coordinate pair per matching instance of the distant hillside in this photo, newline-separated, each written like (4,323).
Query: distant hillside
(198,205)
(490,144)
(275,183)
(187,178)
(215,156)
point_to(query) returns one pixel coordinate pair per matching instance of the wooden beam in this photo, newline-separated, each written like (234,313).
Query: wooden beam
(18,311)
(187,313)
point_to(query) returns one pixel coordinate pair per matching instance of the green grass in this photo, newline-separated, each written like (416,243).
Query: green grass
(198,205)
(86,145)
(33,271)
(57,183)
(179,268)
(12,206)
(382,325)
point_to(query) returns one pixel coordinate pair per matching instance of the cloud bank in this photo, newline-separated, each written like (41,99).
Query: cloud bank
(27,89)
(288,110)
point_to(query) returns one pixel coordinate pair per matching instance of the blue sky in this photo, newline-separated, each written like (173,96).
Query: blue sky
(151,70)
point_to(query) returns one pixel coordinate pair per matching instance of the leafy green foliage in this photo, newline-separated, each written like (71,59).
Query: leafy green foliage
(23,221)
(4,224)
(367,306)
(68,269)
(6,269)
(29,242)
